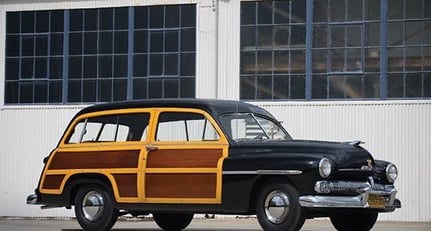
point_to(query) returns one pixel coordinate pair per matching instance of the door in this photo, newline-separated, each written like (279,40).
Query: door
(185,158)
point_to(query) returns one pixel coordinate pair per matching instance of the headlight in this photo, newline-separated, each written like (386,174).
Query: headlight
(391,172)
(325,168)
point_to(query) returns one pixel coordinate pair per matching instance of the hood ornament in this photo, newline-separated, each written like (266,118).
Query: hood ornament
(355,142)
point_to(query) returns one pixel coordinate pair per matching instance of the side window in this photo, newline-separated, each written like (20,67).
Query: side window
(112,128)
(185,126)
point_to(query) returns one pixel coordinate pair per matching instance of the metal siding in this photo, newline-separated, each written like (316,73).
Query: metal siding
(27,135)
(395,131)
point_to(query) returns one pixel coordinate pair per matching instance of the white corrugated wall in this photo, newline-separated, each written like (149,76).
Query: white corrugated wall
(398,131)
(27,135)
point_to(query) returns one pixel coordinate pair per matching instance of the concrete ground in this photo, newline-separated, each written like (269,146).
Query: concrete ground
(241,224)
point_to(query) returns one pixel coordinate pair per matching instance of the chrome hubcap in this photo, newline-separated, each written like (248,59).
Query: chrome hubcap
(92,205)
(277,207)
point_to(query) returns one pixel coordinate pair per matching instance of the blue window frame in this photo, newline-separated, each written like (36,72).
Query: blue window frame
(100,55)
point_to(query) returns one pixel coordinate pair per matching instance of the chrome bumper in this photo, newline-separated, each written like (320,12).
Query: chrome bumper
(32,199)
(363,190)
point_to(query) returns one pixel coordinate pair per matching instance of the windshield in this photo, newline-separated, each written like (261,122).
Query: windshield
(248,126)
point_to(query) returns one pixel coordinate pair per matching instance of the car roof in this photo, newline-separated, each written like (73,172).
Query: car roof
(215,107)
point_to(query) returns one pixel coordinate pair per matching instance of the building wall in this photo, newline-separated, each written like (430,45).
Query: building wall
(398,131)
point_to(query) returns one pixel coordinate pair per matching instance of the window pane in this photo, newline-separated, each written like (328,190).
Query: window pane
(74,91)
(120,66)
(55,91)
(41,68)
(188,15)
(27,68)
(90,66)
(106,19)
(27,22)
(11,92)
(187,67)
(105,66)
(140,45)
(41,46)
(171,65)
(27,48)
(76,20)
(56,44)
(156,44)
(12,22)
(139,88)
(155,88)
(41,92)
(172,16)
(141,17)
(105,42)
(12,48)
(120,90)
(156,17)
(89,89)
(75,43)
(90,43)
(90,20)
(57,20)
(42,21)
(75,67)
(395,86)
(171,88)
(121,18)
(12,69)
(187,88)
(156,65)
(188,41)
(26,92)
(140,65)
(320,87)
(120,42)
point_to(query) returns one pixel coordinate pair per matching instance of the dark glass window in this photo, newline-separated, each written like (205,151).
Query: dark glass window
(345,58)
(273,50)
(95,60)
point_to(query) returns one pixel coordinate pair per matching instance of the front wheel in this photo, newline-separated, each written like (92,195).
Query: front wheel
(172,222)
(278,208)
(354,221)
(94,209)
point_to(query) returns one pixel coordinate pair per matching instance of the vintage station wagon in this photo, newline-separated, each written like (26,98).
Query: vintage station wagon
(177,157)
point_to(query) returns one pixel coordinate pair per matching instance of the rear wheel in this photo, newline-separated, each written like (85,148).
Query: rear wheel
(278,208)
(172,222)
(354,221)
(94,209)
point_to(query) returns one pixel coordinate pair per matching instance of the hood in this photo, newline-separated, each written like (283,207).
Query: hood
(344,154)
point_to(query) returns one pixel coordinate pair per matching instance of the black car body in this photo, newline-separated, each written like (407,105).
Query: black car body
(177,157)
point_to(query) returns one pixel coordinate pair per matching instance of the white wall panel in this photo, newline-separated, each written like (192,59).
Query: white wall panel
(398,131)
(395,131)
(27,135)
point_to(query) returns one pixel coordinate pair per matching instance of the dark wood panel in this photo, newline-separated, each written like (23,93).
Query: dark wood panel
(127,184)
(176,185)
(52,181)
(95,159)
(184,158)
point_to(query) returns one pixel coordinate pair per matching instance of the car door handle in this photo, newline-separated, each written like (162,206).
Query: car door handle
(151,148)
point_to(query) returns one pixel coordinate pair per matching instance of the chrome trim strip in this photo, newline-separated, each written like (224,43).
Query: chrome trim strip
(264,172)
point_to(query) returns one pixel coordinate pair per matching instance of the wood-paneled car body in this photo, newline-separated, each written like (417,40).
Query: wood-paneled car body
(174,158)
